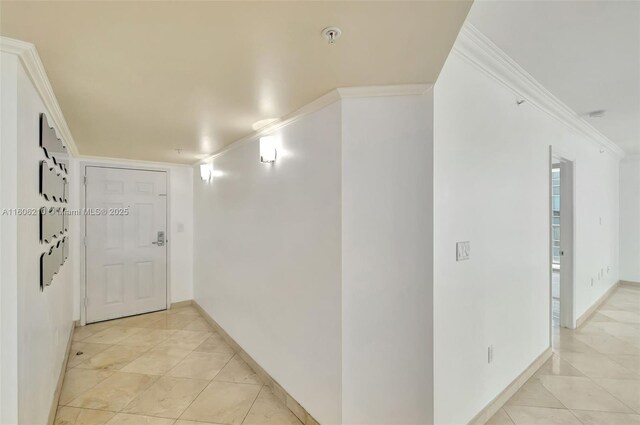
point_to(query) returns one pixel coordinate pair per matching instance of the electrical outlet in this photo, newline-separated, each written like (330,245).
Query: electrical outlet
(463,250)
(490,354)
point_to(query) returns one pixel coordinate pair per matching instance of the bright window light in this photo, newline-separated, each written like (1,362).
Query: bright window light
(268,150)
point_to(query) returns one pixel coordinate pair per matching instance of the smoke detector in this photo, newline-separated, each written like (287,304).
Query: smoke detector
(331,34)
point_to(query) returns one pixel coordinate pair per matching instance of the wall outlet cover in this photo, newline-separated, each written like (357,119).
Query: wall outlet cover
(463,250)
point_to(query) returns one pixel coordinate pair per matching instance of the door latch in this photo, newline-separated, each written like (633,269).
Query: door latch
(160,241)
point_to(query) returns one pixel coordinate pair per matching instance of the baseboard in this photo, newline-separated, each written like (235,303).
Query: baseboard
(497,403)
(629,283)
(179,304)
(285,397)
(56,394)
(585,316)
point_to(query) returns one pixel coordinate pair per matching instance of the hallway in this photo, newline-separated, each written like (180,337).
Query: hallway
(162,368)
(593,377)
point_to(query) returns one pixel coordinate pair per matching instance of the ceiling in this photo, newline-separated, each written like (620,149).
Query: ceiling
(142,80)
(586,53)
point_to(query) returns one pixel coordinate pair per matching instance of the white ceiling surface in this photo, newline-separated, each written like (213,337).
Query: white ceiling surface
(141,79)
(586,53)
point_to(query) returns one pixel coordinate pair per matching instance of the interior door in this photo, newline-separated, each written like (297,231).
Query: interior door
(125,246)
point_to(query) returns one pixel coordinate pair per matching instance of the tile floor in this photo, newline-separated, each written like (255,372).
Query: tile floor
(164,368)
(593,377)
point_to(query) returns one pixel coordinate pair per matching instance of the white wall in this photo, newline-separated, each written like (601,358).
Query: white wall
(492,188)
(630,219)
(180,212)
(267,257)
(387,260)
(320,265)
(44,319)
(9,239)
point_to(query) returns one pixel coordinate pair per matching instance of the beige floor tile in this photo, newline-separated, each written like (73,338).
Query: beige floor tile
(75,416)
(269,410)
(597,366)
(148,337)
(115,392)
(215,342)
(184,422)
(222,402)
(630,361)
(111,335)
(556,366)
(185,340)
(76,381)
(626,391)
(615,329)
(82,332)
(500,418)
(188,310)
(198,325)
(599,317)
(622,316)
(168,397)
(239,372)
(100,326)
(114,358)
(606,418)
(66,415)
(129,419)
(581,394)
(522,415)
(607,344)
(172,321)
(568,343)
(156,361)
(138,321)
(87,351)
(534,394)
(200,365)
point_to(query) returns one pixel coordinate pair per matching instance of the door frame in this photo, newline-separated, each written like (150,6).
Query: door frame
(567,163)
(82,168)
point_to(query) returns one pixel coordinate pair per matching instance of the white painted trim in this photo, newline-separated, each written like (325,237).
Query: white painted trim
(130,165)
(494,405)
(63,369)
(478,50)
(30,59)
(594,307)
(321,102)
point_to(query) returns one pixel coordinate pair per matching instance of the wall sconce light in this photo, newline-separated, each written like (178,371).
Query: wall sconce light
(268,150)
(206,171)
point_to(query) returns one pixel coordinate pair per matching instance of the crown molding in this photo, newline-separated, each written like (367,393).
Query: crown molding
(30,59)
(481,52)
(321,102)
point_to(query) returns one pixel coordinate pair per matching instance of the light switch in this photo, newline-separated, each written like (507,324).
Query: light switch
(180,227)
(463,250)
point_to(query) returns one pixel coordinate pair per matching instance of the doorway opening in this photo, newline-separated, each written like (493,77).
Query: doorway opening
(562,242)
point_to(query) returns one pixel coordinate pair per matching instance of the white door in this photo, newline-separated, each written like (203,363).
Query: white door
(126,252)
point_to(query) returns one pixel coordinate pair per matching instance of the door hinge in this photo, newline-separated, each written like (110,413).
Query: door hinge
(84,241)
(85,180)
